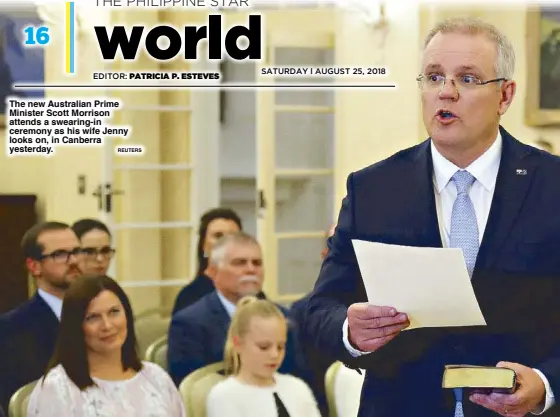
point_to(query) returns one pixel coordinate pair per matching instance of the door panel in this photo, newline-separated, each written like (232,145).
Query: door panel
(291,263)
(152,209)
(304,203)
(297,57)
(295,135)
(303,139)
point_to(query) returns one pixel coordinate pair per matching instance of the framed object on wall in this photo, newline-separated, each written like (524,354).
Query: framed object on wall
(17,62)
(542,106)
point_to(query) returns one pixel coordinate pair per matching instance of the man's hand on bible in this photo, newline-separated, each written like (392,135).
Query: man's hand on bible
(528,397)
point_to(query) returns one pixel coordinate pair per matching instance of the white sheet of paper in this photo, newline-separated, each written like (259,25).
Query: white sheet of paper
(431,285)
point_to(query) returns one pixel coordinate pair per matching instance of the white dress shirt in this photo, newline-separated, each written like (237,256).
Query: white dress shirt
(485,170)
(228,305)
(52,301)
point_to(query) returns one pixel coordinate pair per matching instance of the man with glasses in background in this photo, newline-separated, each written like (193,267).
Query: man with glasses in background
(29,332)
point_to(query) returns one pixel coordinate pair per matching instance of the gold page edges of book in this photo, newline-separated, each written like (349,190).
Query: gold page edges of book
(479,378)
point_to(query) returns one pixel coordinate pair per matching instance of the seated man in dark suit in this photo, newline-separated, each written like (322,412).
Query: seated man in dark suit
(52,255)
(198,333)
(214,224)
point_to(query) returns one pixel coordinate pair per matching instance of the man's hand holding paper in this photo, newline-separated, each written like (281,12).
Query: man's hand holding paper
(371,327)
(430,285)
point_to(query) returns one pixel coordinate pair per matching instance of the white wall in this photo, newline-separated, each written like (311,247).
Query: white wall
(375,123)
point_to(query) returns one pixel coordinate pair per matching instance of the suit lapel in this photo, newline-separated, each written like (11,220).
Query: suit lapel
(515,176)
(423,204)
(47,326)
(220,316)
(36,340)
(47,315)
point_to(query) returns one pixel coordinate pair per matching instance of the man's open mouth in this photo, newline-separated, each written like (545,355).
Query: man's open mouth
(444,115)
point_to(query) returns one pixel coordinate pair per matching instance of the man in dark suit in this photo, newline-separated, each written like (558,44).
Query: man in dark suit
(473,186)
(29,332)
(198,333)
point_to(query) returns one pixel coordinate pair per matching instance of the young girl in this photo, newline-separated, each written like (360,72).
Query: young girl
(254,351)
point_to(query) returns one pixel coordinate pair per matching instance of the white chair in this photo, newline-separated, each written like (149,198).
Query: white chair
(157,352)
(197,385)
(343,388)
(20,400)
(149,329)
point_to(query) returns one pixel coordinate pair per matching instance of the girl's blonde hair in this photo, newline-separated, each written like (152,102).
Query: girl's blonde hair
(247,308)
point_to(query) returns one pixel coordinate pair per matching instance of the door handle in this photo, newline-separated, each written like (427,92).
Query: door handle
(262,200)
(109,193)
(261,209)
(97,193)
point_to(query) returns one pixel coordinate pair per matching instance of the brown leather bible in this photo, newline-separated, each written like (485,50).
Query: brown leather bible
(480,378)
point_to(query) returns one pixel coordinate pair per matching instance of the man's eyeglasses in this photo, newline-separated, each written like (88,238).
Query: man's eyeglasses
(436,82)
(62,256)
(92,253)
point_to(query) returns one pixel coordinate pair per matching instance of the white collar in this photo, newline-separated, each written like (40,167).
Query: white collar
(228,305)
(52,301)
(484,169)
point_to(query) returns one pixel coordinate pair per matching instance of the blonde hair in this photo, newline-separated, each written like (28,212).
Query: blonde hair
(247,308)
(505,54)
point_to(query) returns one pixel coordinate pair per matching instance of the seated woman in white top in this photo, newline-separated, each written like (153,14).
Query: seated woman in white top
(95,370)
(254,351)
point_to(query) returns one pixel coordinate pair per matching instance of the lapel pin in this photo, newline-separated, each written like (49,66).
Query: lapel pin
(521,172)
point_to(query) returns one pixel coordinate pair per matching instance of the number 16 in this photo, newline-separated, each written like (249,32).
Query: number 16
(41,36)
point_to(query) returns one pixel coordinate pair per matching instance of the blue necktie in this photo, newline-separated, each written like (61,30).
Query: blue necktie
(464,235)
(464,228)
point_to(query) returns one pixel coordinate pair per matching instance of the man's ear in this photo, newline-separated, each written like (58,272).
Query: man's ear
(508,92)
(211,271)
(33,266)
